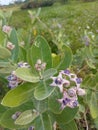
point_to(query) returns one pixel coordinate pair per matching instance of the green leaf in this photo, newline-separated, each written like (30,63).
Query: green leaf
(54,105)
(6,119)
(96,122)
(26,74)
(19,95)
(26,117)
(70,126)
(4,64)
(66,58)
(93,105)
(22,54)
(2,37)
(41,106)
(43,122)
(4,53)
(14,39)
(6,67)
(40,50)
(2,110)
(66,116)
(7,70)
(43,90)
(55,59)
(48,73)
(90,64)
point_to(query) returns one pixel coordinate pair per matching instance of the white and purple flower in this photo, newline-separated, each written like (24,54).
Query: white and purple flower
(13,80)
(59,81)
(65,81)
(68,101)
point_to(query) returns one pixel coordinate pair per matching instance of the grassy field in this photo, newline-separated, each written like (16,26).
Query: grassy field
(69,20)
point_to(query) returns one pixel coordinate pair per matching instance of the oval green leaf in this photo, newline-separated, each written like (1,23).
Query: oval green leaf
(43,90)
(48,73)
(19,95)
(13,38)
(26,74)
(6,119)
(26,117)
(4,53)
(40,50)
(66,58)
(53,104)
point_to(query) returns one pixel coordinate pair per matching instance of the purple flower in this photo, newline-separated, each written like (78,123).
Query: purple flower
(23,65)
(68,101)
(78,80)
(65,72)
(75,103)
(59,82)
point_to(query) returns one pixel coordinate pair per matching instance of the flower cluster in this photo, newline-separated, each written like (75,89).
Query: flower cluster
(13,79)
(69,85)
(40,65)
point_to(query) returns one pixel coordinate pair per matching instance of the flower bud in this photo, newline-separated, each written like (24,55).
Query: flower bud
(43,66)
(81,91)
(14,117)
(39,61)
(6,29)
(72,92)
(10,46)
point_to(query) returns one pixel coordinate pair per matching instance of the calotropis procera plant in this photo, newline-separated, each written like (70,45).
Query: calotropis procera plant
(44,92)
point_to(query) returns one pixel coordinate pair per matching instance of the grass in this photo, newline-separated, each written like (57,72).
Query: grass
(74,18)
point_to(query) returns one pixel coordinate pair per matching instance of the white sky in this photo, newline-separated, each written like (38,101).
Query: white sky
(6,2)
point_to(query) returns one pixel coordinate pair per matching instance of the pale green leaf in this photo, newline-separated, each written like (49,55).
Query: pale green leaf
(48,73)
(43,90)
(54,105)
(66,58)
(14,39)
(6,119)
(40,50)
(26,74)
(4,53)
(26,117)
(19,95)
(93,105)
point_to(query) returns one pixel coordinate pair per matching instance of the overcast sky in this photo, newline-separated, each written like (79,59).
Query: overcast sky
(6,2)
